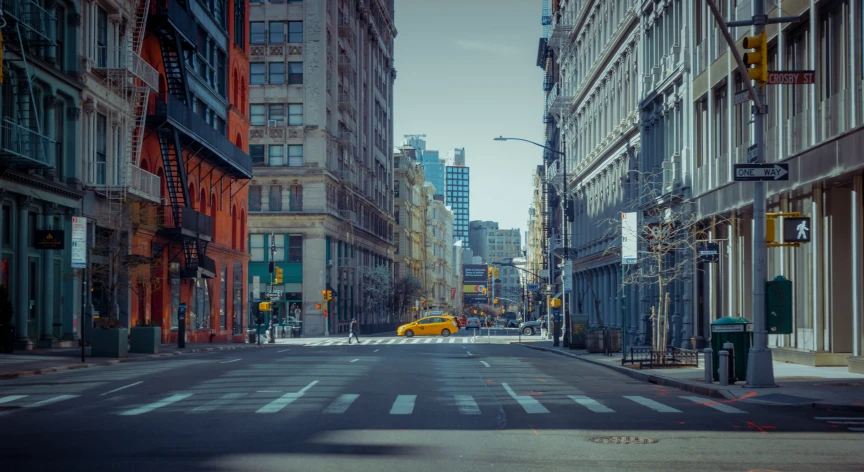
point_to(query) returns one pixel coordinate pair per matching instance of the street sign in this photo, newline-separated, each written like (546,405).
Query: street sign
(256,286)
(629,238)
(752,154)
(79,242)
(709,252)
(533,287)
(742,96)
(791,77)
(761,172)
(272,295)
(796,230)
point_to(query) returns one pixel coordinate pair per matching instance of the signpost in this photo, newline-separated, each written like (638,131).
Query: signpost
(761,172)
(533,287)
(742,96)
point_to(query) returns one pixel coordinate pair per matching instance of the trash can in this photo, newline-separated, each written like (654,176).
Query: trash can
(735,331)
(295,331)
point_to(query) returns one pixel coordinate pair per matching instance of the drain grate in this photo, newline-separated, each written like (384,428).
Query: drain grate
(622,440)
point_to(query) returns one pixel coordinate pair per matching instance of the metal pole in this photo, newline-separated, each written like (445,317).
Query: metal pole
(565,285)
(83,314)
(760,370)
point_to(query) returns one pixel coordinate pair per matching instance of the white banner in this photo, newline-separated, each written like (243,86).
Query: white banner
(256,287)
(79,242)
(629,238)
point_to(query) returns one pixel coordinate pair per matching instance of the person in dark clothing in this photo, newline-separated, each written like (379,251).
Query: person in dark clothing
(353,332)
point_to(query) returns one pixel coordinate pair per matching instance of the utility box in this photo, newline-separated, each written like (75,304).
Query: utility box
(778,305)
(737,332)
(578,328)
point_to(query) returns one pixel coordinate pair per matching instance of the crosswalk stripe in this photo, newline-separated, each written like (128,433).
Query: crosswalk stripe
(49,401)
(467,405)
(440,340)
(428,341)
(839,418)
(378,341)
(155,405)
(464,340)
(846,422)
(392,341)
(212,405)
(452,340)
(404,341)
(11,398)
(529,404)
(712,404)
(341,404)
(591,404)
(856,429)
(404,405)
(416,341)
(658,407)
(276,405)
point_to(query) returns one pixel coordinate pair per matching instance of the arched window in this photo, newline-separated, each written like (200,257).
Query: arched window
(234,227)
(144,165)
(202,201)
(242,237)
(238,141)
(192,197)
(213,213)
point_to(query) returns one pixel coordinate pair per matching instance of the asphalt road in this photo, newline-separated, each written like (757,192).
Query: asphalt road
(392,407)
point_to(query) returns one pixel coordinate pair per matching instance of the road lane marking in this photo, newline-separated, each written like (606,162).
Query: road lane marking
(121,388)
(354,360)
(49,401)
(530,405)
(392,341)
(467,405)
(452,340)
(155,405)
(228,362)
(276,405)
(846,422)
(482,362)
(464,340)
(212,405)
(856,429)
(712,404)
(11,398)
(440,340)
(283,350)
(404,405)
(341,404)
(379,341)
(469,352)
(416,341)
(591,404)
(428,341)
(839,418)
(658,407)
(376,350)
(404,341)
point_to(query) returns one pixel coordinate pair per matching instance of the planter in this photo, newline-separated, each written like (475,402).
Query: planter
(7,339)
(594,341)
(109,342)
(145,339)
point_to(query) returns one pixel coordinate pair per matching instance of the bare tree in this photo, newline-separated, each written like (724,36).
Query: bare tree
(377,289)
(406,290)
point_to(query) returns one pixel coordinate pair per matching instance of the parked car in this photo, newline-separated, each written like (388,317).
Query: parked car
(529,328)
(472,323)
(429,325)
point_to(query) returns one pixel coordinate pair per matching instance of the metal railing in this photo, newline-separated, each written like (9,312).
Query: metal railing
(177,13)
(671,357)
(115,59)
(24,147)
(36,19)
(144,183)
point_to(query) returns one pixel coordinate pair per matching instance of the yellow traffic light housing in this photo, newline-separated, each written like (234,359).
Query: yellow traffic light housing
(770,231)
(277,276)
(329,295)
(556,302)
(757,59)
(495,302)
(324,294)
(496,272)
(488,272)
(264,306)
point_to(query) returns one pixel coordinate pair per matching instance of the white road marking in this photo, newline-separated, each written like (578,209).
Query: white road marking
(392,341)
(712,404)
(658,407)
(155,405)
(11,398)
(464,340)
(856,429)
(354,360)
(416,341)
(285,400)
(469,352)
(118,389)
(376,350)
(379,341)
(530,405)
(591,404)
(267,391)
(467,405)
(283,350)
(427,341)
(210,406)
(482,362)
(404,341)
(846,422)
(839,418)
(404,405)
(228,362)
(341,404)
(452,340)
(439,341)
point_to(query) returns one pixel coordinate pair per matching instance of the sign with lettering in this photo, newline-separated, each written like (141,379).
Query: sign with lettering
(79,242)
(791,77)
(49,239)
(761,172)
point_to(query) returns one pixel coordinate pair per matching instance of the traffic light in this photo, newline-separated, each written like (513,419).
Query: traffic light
(488,272)
(495,302)
(484,290)
(329,295)
(757,59)
(556,302)
(496,272)
(264,306)
(277,276)
(324,295)
(770,231)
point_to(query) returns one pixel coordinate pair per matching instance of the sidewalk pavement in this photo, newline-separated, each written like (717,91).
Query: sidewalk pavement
(45,361)
(830,388)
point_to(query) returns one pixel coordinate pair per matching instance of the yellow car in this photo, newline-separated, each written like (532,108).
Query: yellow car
(429,326)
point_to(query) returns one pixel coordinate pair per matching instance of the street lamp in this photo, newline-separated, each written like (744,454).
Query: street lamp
(567,266)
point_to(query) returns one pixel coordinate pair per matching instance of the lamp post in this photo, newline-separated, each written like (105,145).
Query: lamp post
(565,213)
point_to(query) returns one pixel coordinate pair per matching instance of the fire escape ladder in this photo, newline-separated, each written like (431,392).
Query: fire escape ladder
(175,68)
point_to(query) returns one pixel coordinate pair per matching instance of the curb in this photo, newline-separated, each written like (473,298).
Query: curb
(700,389)
(51,370)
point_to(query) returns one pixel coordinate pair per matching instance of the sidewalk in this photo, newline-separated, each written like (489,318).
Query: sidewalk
(44,361)
(799,385)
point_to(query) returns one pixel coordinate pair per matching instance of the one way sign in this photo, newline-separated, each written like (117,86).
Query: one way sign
(761,172)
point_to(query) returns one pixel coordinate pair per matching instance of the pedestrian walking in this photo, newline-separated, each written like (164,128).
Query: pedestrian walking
(353,333)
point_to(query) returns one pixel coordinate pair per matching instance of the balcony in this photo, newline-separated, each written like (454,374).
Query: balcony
(345,136)
(166,14)
(192,224)
(195,132)
(144,184)
(37,20)
(132,179)
(346,63)
(113,64)
(25,148)
(348,216)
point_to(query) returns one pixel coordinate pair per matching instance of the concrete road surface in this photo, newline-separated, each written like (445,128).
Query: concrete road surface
(392,407)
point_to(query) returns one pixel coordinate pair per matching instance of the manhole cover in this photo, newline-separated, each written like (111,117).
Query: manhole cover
(622,440)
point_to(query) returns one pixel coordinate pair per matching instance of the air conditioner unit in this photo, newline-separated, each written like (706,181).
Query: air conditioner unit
(274,123)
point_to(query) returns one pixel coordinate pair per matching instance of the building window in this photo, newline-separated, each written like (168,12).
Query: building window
(296,200)
(257,32)
(295,31)
(101,148)
(237,320)
(7,226)
(275,198)
(256,247)
(277,73)
(199,315)
(240,23)
(276,155)
(295,73)
(256,114)
(256,152)
(223,295)
(295,155)
(279,244)
(277,115)
(295,114)
(256,73)
(277,32)
(174,275)
(101,37)
(295,248)
(254,198)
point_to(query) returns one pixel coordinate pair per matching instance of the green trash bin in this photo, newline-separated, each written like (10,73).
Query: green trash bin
(737,332)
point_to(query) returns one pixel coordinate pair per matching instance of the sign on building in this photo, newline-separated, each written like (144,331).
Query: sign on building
(474,278)
(49,239)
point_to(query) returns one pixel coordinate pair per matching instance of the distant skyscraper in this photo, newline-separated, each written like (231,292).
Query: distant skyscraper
(458,198)
(456,157)
(433,165)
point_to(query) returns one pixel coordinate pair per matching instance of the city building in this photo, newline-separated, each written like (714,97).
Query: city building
(535,235)
(493,245)
(439,254)
(433,165)
(40,186)
(321,114)
(458,198)
(408,209)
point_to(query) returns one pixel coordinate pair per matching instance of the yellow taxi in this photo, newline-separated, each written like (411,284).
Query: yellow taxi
(429,326)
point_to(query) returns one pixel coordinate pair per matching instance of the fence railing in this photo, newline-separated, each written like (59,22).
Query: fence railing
(671,357)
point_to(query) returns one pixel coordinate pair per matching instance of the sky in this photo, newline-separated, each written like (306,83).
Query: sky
(466,73)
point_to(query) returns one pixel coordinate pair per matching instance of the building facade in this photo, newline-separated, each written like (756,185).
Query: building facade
(494,245)
(40,186)
(321,114)
(458,198)
(439,254)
